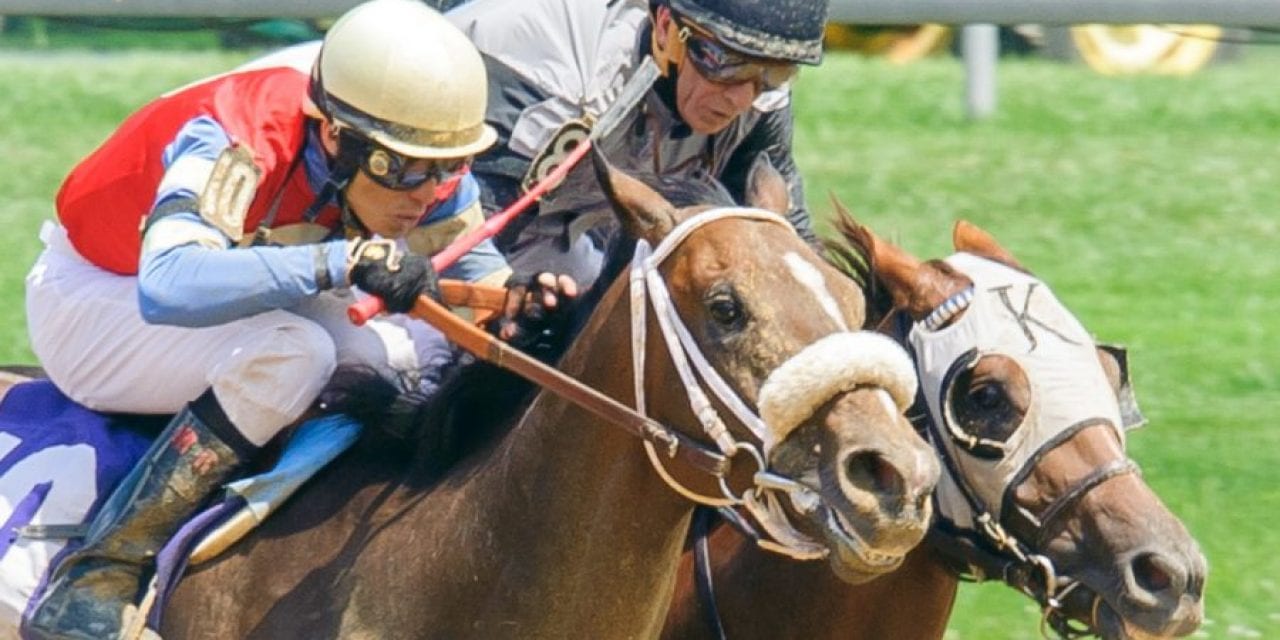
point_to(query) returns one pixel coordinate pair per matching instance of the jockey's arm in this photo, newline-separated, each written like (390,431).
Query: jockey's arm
(188,277)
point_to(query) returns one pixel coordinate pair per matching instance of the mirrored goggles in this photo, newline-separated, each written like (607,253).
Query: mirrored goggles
(400,173)
(721,65)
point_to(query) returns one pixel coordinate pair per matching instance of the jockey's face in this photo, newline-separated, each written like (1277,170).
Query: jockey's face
(388,212)
(715,85)
(708,107)
(390,194)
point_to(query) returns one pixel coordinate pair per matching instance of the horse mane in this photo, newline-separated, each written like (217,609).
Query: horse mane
(428,434)
(850,251)
(683,191)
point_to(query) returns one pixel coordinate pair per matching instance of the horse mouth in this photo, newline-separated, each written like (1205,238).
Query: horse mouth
(1110,624)
(853,557)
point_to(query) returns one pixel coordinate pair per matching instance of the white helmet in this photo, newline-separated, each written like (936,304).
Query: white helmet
(399,74)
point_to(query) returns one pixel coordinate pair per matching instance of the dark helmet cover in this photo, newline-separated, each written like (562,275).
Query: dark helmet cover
(775,29)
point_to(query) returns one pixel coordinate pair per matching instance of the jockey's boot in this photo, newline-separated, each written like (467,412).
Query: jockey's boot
(94,589)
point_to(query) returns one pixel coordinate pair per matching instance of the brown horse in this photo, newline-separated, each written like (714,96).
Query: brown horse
(560,527)
(1024,411)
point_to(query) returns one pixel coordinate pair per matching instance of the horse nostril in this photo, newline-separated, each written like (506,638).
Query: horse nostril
(922,501)
(869,471)
(1151,573)
(1195,581)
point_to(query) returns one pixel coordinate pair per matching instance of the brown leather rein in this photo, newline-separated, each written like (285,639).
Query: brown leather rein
(481,344)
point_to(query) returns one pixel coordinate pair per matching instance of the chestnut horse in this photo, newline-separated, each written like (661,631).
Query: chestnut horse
(560,527)
(1028,417)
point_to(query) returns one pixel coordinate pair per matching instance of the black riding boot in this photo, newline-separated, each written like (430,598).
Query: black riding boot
(95,588)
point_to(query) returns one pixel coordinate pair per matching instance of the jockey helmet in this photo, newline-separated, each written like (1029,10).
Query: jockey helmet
(397,74)
(787,31)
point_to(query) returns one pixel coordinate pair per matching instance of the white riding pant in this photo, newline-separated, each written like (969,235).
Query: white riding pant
(86,328)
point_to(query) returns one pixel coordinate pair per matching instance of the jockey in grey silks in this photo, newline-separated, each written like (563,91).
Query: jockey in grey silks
(555,66)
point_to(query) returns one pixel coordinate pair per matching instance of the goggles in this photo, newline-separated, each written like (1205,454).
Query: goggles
(721,65)
(400,173)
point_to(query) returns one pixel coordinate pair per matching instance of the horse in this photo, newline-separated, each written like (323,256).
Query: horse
(559,526)
(1029,418)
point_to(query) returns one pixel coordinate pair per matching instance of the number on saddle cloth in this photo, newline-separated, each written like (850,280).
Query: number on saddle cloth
(58,463)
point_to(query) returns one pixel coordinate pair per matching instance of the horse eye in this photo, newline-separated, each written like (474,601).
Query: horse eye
(987,397)
(983,407)
(725,310)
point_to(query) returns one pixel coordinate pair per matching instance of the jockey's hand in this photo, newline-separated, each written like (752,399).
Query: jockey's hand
(536,309)
(378,268)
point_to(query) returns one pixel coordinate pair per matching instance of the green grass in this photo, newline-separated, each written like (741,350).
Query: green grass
(1147,203)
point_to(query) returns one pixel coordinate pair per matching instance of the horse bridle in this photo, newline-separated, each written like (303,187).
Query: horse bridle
(993,547)
(1007,555)
(761,499)
(660,441)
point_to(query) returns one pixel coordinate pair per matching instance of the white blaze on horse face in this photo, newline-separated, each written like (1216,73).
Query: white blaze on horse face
(809,276)
(886,400)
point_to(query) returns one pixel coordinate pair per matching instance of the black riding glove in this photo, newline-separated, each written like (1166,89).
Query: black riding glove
(398,278)
(537,311)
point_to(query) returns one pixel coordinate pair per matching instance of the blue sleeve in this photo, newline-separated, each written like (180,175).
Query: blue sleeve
(193,285)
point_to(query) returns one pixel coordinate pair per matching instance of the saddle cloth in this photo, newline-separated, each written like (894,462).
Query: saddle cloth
(59,462)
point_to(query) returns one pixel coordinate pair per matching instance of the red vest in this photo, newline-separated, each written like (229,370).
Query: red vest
(105,200)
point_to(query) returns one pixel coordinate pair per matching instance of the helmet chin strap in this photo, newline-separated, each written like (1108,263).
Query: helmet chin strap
(342,168)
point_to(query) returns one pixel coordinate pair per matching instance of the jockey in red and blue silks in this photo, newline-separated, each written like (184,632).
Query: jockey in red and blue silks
(207,251)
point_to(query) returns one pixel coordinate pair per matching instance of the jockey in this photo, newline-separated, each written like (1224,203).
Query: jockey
(205,255)
(722,99)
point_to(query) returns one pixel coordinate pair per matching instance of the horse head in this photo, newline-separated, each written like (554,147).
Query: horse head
(1029,417)
(778,326)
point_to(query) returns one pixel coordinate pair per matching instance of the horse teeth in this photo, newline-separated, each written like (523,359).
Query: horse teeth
(839,525)
(805,501)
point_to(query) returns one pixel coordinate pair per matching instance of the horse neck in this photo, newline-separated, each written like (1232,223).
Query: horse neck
(574,503)
(558,529)
(760,594)
(558,438)
(757,593)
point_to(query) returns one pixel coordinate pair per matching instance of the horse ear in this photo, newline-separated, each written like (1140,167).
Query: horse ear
(1115,364)
(766,188)
(916,287)
(643,212)
(897,269)
(969,238)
